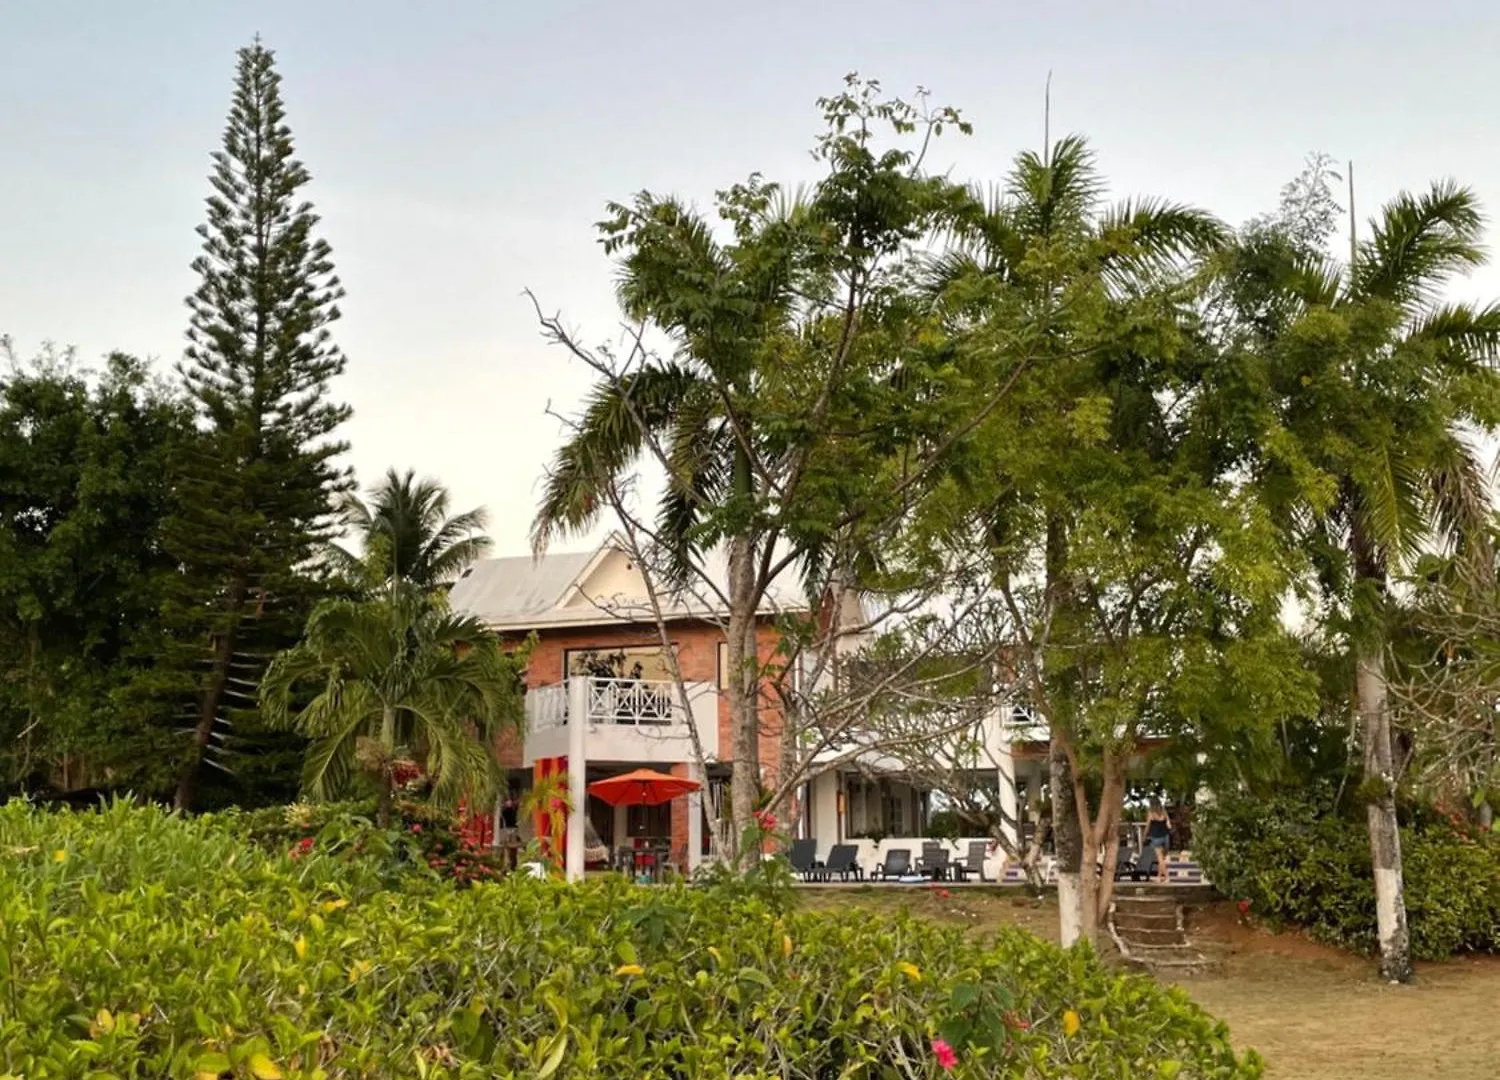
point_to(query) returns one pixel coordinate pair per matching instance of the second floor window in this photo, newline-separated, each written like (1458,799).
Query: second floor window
(638,663)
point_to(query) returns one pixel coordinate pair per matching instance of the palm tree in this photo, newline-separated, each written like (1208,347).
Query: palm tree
(396,676)
(1377,381)
(693,413)
(406,533)
(1047,263)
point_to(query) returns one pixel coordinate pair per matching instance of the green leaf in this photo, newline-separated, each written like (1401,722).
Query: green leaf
(212,1064)
(263,1067)
(554,1059)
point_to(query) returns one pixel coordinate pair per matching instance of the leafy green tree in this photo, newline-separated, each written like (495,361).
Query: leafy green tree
(84,489)
(395,677)
(406,532)
(794,362)
(1374,388)
(1137,585)
(259,493)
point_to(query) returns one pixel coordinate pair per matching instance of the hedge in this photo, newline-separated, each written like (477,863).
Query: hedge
(1295,860)
(141,944)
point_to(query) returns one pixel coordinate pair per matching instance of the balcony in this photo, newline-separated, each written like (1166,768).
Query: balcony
(629,720)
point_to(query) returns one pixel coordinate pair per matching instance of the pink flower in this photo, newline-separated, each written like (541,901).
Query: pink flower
(416,828)
(944,1054)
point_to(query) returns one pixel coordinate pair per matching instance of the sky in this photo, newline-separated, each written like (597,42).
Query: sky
(462,150)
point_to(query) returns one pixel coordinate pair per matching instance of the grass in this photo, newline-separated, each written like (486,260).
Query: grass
(1312,1012)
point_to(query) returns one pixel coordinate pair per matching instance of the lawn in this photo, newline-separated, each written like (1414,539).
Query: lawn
(1312,1012)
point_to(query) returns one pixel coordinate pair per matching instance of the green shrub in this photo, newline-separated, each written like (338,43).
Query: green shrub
(138,944)
(420,838)
(1296,861)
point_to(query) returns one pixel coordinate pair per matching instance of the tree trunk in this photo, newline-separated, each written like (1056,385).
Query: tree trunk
(1380,812)
(212,697)
(1068,840)
(1088,856)
(744,721)
(1111,806)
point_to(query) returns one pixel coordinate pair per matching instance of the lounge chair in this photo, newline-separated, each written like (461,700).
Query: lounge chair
(979,850)
(803,858)
(897,864)
(842,860)
(934,861)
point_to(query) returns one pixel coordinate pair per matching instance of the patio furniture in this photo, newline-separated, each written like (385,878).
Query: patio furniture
(973,863)
(802,856)
(934,862)
(842,860)
(897,864)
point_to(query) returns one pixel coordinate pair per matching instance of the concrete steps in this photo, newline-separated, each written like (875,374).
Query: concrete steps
(1147,928)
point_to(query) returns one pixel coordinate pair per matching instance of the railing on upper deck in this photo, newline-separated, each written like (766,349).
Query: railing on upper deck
(610,701)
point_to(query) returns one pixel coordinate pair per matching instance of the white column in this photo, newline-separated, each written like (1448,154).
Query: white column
(578,719)
(695,820)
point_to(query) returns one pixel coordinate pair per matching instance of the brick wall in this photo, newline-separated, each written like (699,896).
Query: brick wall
(697,647)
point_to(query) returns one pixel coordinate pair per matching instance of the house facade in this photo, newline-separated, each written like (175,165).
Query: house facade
(597,653)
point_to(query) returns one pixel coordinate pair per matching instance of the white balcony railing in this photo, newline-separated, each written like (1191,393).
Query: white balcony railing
(610,701)
(628,719)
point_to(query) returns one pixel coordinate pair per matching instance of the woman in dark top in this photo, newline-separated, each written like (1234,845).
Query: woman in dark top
(1159,836)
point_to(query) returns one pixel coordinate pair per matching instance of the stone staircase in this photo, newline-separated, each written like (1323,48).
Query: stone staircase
(1147,927)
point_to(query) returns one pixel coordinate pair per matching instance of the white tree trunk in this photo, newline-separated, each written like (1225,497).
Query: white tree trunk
(1380,812)
(1069,907)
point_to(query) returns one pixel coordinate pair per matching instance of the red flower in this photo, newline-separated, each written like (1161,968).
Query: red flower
(416,828)
(1244,906)
(944,894)
(944,1054)
(766,820)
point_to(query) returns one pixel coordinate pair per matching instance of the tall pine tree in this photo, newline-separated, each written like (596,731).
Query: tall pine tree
(257,496)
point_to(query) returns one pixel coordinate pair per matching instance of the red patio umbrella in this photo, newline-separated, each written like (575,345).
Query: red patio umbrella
(643,787)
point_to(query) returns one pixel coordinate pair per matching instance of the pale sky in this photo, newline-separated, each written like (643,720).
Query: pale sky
(462,150)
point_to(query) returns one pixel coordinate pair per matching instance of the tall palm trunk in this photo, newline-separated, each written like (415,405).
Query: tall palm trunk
(1380,813)
(386,780)
(1370,695)
(744,723)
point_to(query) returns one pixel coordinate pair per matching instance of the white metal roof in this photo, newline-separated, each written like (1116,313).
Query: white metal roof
(593,588)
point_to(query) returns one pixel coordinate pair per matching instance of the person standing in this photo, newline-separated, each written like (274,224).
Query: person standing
(1159,837)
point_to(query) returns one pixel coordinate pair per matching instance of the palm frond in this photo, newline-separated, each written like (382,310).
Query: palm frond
(609,439)
(1152,232)
(1462,504)
(1389,506)
(1418,243)
(1057,193)
(1464,336)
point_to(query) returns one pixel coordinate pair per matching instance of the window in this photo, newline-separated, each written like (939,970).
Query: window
(639,662)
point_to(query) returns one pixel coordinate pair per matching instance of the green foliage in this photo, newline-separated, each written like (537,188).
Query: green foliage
(405,532)
(258,493)
(84,489)
(1298,861)
(378,681)
(137,944)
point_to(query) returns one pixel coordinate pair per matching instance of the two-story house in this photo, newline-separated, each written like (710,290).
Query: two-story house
(598,654)
(598,651)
